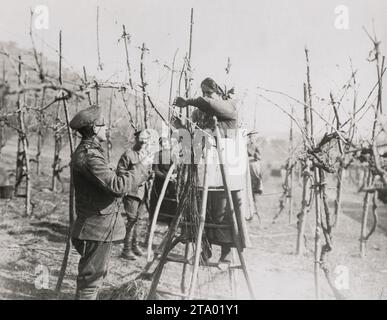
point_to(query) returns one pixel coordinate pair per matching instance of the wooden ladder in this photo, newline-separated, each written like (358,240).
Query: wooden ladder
(172,238)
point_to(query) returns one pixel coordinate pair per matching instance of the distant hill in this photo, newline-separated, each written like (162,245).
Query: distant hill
(8,77)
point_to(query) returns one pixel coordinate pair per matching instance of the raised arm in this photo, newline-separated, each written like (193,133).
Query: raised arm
(223,109)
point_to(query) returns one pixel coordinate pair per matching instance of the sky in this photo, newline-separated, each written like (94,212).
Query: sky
(264,40)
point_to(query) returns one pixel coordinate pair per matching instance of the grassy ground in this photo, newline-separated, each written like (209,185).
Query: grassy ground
(32,247)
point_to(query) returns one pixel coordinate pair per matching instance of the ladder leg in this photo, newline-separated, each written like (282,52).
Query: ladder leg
(245,273)
(184,272)
(163,259)
(233,277)
(157,210)
(236,236)
(198,247)
(149,264)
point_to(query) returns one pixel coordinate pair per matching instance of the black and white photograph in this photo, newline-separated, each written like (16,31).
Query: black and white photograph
(193,150)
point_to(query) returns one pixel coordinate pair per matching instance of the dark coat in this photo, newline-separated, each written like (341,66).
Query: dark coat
(224,110)
(97,192)
(131,162)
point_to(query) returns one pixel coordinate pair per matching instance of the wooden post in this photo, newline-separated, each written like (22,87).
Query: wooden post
(57,148)
(341,170)
(23,147)
(305,187)
(100,64)
(188,73)
(109,131)
(317,239)
(364,220)
(378,110)
(316,187)
(85,79)
(290,185)
(143,84)
(3,106)
(96,94)
(125,36)
(72,190)
(171,85)
(40,138)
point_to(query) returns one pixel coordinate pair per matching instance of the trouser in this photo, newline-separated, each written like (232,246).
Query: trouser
(92,267)
(256,201)
(132,211)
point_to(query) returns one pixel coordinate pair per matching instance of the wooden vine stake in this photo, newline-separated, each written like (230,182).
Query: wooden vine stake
(23,159)
(316,188)
(364,236)
(40,134)
(3,106)
(291,173)
(301,223)
(144,49)
(72,191)
(109,130)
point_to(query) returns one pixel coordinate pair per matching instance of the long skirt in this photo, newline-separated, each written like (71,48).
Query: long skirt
(218,213)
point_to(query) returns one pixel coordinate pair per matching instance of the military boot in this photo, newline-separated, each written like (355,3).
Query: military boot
(127,251)
(135,246)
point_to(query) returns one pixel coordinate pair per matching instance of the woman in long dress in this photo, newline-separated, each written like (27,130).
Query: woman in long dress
(214,103)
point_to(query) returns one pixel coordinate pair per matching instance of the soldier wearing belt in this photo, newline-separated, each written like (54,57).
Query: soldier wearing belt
(98,189)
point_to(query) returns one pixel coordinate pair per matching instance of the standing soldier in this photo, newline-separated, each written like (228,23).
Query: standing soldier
(138,159)
(97,192)
(255,171)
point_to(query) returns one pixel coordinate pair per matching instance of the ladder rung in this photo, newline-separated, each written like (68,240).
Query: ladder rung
(183,295)
(207,225)
(177,294)
(180,259)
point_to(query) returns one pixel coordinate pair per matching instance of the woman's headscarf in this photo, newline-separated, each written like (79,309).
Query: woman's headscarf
(211,84)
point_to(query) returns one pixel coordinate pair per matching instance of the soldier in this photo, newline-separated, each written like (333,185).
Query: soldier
(97,190)
(255,171)
(135,160)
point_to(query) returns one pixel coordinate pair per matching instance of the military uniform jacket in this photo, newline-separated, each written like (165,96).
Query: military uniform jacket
(253,152)
(98,189)
(130,161)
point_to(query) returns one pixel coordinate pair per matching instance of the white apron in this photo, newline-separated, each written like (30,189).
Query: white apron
(234,152)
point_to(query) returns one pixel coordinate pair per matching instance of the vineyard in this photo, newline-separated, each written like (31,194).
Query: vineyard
(321,227)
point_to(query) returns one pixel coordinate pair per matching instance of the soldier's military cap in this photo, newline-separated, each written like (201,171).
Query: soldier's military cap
(86,117)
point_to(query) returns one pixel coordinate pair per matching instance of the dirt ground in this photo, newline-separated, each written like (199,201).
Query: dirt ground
(31,250)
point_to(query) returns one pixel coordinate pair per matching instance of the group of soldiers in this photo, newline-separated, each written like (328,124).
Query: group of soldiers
(108,200)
